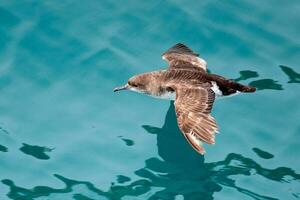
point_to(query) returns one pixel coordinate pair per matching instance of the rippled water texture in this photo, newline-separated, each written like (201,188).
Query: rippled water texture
(65,135)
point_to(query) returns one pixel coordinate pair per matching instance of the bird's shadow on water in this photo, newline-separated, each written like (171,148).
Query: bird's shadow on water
(179,170)
(260,84)
(195,179)
(268,83)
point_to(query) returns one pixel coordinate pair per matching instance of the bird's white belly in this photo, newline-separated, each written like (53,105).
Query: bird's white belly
(167,96)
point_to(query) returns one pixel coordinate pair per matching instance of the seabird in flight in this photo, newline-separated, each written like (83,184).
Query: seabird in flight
(193,89)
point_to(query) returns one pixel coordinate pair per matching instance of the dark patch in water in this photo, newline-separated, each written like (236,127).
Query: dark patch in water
(122,179)
(4,130)
(128,142)
(151,129)
(292,75)
(81,197)
(246,74)
(263,154)
(266,84)
(3,148)
(296,195)
(269,84)
(38,152)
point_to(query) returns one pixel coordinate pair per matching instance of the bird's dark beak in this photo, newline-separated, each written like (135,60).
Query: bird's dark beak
(125,87)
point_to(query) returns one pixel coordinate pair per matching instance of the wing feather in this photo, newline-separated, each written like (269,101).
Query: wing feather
(193,106)
(182,57)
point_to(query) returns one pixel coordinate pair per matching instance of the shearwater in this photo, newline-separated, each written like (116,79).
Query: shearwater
(193,89)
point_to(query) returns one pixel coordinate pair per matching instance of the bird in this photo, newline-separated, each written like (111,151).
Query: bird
(193,89)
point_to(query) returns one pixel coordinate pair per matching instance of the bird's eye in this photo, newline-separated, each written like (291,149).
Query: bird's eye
(132,84)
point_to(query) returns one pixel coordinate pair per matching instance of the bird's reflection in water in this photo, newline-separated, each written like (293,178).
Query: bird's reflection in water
(178,171)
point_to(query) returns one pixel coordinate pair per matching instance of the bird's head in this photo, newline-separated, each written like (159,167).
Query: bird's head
(137,83)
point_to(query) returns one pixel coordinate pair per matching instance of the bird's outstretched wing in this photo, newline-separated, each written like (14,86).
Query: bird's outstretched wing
(193,106)
(182,57)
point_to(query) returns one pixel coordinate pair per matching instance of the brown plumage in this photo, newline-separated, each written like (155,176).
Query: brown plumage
(195,91)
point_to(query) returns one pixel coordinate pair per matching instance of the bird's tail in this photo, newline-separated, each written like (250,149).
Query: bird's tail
(241,87)
(230,86)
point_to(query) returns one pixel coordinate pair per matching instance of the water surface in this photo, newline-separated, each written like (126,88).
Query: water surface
(65,135)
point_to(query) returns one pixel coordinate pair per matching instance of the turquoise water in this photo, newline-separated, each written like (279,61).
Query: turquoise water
(65,135)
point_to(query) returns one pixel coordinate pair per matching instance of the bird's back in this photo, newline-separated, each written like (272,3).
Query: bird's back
(204,79)
(184,76)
